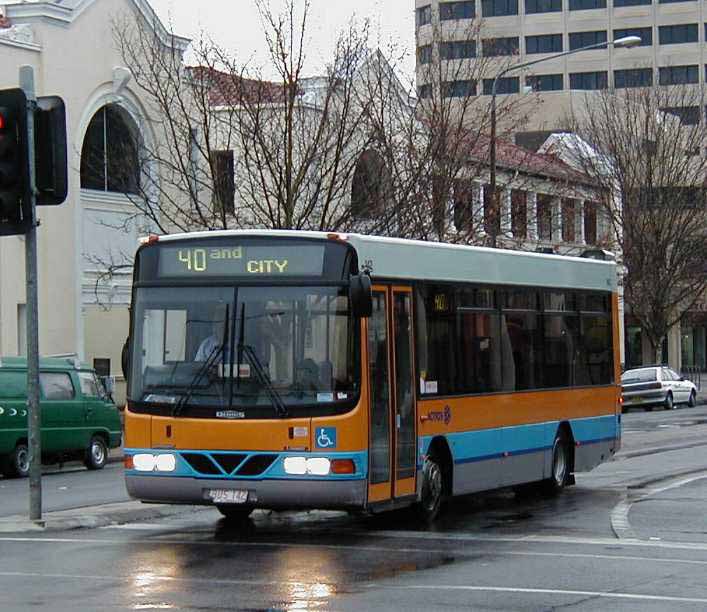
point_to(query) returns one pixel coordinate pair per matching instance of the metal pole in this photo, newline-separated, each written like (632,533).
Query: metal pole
(33,409)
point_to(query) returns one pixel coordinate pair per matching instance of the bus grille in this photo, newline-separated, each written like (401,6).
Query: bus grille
(201,463)
(218,464)
(228,463)
(256,465)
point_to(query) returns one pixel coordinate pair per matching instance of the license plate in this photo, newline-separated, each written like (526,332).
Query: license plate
(228,496)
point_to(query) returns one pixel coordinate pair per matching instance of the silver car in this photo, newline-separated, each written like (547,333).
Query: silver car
(656,386)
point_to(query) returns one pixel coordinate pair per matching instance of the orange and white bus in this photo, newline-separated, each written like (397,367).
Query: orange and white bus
(278,369)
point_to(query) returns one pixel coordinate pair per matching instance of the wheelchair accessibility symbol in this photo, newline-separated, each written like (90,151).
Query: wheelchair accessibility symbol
(325,437)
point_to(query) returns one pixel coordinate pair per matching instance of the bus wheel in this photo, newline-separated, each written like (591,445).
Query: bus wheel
(16,464)
(235,513)
(96,454)
(431,491)
(560,466)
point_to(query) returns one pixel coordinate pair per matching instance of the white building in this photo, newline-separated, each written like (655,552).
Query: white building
(68,43)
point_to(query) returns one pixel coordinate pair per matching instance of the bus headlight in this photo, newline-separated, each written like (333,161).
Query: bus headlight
(299,466)
(165,463)
(143,462)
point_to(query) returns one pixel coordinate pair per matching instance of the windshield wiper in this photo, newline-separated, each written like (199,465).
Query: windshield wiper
(264,379)
(206,366)
(209,363)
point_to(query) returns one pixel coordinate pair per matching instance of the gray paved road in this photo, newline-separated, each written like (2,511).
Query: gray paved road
(487,552)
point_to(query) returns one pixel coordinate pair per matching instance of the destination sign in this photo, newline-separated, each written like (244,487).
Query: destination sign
(193,260)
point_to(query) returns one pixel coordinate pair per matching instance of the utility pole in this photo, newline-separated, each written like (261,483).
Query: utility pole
(33,411)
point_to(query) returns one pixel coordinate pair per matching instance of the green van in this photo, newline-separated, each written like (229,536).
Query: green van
(79,420)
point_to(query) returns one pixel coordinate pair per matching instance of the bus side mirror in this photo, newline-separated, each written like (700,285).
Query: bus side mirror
(125,358)
(360,295)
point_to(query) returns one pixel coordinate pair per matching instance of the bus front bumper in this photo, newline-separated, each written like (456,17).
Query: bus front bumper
(270,493)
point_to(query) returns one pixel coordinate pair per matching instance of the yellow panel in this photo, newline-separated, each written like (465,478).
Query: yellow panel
(137,430)
(505,409)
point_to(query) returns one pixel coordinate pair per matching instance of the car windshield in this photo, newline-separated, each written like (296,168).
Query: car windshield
(254,351)
(637,376)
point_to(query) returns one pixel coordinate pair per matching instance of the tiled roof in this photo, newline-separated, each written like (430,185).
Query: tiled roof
(229,89)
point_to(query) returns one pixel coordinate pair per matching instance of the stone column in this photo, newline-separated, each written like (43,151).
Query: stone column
(505,212)
(557,219)
(579,221)
(477,209)
(532,219)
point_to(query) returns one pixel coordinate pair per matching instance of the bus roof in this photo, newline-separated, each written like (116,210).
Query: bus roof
(398,258)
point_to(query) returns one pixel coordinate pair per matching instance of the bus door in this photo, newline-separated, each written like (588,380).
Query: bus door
(392,457)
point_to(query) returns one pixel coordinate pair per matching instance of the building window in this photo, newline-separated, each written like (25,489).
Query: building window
(463,202)
(620,3)
(545,82)
(678,75)
(370,188)
(505,85)
(423,15)
(543,6)
(499,8)
(688,115)
(585,5)
(633,77)
(223,170)
(500,46)
(459,89)
(457,50)
(544,212)
(424,91)
(545,43)
(672,1)
(457,10)
(677,34)
(584,39)
(424,54)
(519,213)
(589,80)
(645,34)
(590,222)
(569,210)
(110,152)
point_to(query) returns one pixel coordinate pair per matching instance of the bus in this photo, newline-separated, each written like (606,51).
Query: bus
(286,370)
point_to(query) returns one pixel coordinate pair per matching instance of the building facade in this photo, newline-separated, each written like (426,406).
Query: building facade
(672,49)
(68,44)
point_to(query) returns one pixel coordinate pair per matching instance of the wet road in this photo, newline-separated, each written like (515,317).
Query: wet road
(487,552)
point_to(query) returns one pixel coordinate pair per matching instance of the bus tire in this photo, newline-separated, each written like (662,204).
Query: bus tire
(16,464)
(431,491)
(96,454)
(235,514)
(560,466)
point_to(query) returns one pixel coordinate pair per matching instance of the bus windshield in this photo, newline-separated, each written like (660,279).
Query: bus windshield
(243,352)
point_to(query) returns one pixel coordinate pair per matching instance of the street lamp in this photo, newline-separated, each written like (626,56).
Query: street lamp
(625,42)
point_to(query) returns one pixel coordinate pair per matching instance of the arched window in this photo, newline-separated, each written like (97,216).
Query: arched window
(109,155)
(370,187)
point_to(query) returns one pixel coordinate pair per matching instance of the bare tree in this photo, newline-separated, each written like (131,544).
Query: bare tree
(647,150)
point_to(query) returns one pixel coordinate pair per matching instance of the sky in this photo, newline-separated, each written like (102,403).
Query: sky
(235,25)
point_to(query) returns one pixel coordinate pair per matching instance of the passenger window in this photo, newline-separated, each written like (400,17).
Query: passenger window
(56,386)
(89,385)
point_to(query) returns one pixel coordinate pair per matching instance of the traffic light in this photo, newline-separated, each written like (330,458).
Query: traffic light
(50,151)
(15,204)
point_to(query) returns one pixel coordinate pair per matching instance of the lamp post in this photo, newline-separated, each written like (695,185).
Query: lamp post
(626,41)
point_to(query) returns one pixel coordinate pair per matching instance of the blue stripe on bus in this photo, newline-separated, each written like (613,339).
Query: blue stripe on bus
(486,444)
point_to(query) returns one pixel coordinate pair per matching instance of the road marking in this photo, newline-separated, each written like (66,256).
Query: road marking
(620,523)
(369,548)
(371,585)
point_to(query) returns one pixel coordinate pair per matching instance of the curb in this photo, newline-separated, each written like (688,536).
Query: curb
(620,524)
(91,517)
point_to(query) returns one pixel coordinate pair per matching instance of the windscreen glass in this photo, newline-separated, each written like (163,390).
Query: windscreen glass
(637,376)
(248,352)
